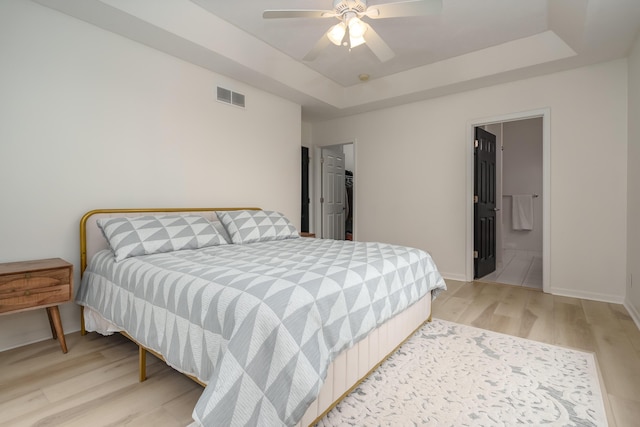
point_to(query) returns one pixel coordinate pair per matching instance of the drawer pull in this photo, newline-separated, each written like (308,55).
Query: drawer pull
(27,275)
(27,293)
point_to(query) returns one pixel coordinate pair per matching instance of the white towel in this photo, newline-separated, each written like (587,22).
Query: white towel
(522,212)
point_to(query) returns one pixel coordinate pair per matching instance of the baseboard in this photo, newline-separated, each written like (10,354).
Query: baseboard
(633,312)
(454,276)
(593,296)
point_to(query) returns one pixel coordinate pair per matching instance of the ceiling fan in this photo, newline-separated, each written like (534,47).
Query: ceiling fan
(352,31)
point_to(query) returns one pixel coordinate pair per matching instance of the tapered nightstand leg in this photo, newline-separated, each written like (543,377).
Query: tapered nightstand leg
(54,334)
(56,326)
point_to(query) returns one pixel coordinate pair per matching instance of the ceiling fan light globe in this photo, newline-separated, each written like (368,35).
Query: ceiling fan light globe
(356,41)
(336,33)
(357,28)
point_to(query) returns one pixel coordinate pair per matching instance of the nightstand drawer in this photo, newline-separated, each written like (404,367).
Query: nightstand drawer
(32,284)
(34,297)
(33,280)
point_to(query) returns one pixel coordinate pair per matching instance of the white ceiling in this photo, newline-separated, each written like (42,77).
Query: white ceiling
(470,44)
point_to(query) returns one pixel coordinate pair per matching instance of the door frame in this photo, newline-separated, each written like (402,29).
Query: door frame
(316,207)
(545,113)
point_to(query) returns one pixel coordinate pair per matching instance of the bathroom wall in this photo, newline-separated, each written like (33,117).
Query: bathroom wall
(522,174)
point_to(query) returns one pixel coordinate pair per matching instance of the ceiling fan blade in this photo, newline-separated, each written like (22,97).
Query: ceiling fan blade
(292,13)
(405,8)
(319,47)
(377,45)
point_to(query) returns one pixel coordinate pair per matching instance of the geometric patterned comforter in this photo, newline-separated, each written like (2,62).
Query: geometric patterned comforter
(261,322)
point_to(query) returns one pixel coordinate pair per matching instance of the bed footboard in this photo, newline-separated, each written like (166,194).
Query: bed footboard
(354,365)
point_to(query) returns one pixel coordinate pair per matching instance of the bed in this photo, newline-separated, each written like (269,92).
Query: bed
(277,327)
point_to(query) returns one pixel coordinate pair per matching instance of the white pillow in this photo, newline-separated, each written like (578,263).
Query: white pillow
(248,226)
(151,234)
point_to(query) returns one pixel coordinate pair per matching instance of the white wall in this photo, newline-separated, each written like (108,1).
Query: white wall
(412,173)
(522,174)
(633,215)
(349,161)
(90,120)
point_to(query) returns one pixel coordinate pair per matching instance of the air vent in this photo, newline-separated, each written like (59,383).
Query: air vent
(229,97)
(237,99)
(224,95)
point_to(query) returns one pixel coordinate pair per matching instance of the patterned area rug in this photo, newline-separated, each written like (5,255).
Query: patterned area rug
(454,375)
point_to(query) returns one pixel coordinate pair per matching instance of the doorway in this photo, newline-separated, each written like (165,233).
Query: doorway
(522,173)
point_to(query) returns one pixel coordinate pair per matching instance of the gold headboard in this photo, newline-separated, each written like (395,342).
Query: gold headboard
(92,240)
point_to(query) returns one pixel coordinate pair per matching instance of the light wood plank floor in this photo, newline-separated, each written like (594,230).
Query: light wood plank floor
(96,382)
(601,328)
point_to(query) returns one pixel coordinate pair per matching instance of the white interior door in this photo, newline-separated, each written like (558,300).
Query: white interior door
(333,193)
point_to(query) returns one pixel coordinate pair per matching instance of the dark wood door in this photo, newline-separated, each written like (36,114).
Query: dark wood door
(484,203)
(304,196)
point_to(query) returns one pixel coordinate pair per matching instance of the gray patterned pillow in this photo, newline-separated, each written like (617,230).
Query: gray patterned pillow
(146,235)
(257,226)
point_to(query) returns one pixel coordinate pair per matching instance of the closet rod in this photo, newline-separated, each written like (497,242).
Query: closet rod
(509,195)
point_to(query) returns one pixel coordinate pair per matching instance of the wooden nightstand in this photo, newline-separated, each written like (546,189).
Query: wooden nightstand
(305,234)
(44,283)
